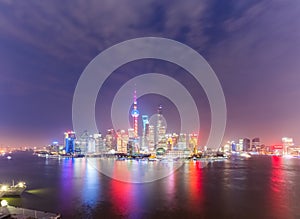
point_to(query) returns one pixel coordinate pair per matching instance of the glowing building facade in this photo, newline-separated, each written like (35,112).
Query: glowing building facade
(287,144)
(145,137)
(70,142)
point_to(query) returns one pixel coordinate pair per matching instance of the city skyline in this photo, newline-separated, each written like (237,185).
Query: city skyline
(252,46)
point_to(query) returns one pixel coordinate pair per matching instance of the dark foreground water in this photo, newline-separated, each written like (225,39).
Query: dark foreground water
(259,187)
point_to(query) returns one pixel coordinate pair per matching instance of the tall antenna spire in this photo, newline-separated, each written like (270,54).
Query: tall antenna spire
(135,114)
(134,97)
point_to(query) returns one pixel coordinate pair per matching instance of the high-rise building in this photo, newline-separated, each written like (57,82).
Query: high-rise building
(122,140)
(160,131)
(91,147)
(70,142)
(145,137)
(151,140)
(145,119)
(193,142)
(256,144)
(111,140)
(130,147)
(287,144)
(82,142)
(131,133)
(182,141)
(135,114)
(244,144)
(233,146)
(172,141)
(99,143)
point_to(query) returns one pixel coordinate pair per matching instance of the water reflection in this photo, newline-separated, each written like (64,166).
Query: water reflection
(66,183)
(261,187)
(79,183)
(278,191)
(91,184)
(195,187)
(135,171)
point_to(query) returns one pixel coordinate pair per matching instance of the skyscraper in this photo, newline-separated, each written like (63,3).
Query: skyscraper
(255,144)
(122,140)
(135,114)
(160,130)
(287,143)
(145,137)
(193,141)
(70,142)
(244,144)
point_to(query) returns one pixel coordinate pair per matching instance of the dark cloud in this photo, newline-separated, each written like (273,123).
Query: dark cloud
(252,45)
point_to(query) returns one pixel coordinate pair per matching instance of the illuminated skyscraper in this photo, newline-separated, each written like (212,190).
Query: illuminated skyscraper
(135,114)
(182,141)
(160,130)
(111,140)
(70,142)
(122,140)
(193,142)
(151,138)
(287,143)
(145,137)
(255,144)
(145,119)
(244,144)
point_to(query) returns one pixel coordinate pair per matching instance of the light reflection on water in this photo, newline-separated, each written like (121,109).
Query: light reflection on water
(260,187)
(134,171)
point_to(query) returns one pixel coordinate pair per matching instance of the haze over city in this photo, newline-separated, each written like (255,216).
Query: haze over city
(253,47)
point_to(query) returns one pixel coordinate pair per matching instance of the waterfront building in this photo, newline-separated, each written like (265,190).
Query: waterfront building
(151,139)
(244,144)
(145,137)
(131,133)
(226,147)
(193,142)
(182,141)
(170,144)
(122,141)
(54,147)
(91,145)
(160,130)
(111,140)
(130,147)
(233,146)
(287,144)
(99,143)
(276,149)
(256,145)
(70,142)
(82,142)
(175,140)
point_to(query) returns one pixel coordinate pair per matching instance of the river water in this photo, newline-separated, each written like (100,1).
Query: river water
(258,187)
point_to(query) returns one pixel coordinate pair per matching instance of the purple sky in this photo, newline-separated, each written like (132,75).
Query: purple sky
(253,46)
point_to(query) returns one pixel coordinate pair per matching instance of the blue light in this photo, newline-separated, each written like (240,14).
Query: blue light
(135,112)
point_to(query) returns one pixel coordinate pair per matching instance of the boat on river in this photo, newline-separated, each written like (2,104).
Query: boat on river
(12,190)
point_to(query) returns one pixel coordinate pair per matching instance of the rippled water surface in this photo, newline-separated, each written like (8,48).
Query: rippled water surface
(259,187)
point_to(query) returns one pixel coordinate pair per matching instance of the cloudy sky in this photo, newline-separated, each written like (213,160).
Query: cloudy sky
(253,47)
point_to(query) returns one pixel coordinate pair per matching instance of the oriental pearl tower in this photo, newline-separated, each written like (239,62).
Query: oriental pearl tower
(135,114)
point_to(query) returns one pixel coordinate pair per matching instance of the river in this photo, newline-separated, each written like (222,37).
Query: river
(258,187)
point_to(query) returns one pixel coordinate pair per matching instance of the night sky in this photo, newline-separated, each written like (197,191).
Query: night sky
(253,47)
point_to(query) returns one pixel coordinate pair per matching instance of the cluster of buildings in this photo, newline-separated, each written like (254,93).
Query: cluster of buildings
(286,147)
(154,137)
